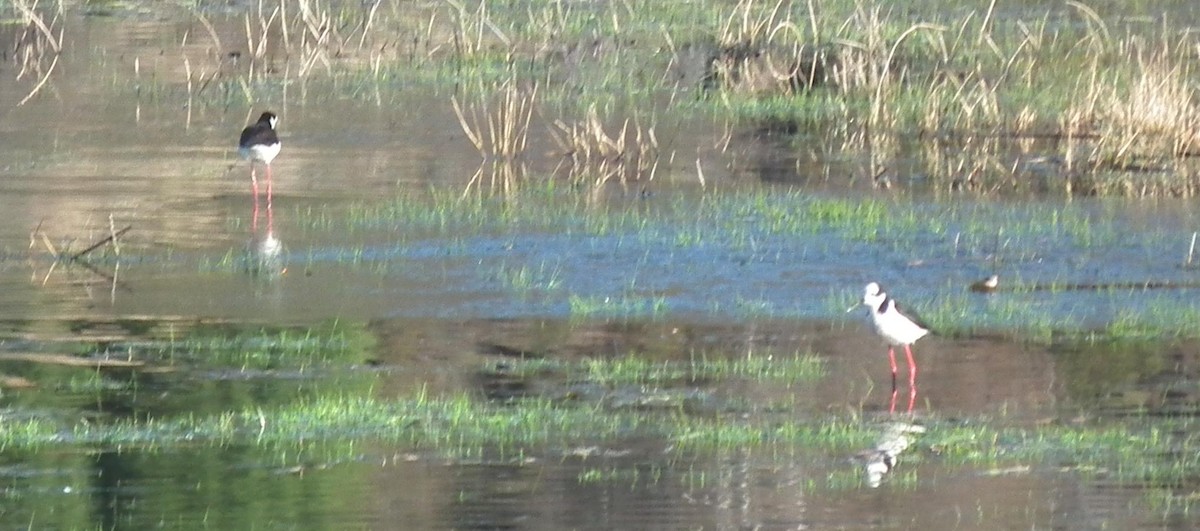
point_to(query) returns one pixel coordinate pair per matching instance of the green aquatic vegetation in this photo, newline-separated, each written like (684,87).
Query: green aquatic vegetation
(627,306)
(203,367)
(735,217)
(95,382)
(634,380)
(1127,452)
(765,366)
(638,475)
(825,434)
(1171,501)
(525,280)
(753,225)
(1163,317)
(1142,450)
(1031,316)
(793,212)
(960,314)
(263,348)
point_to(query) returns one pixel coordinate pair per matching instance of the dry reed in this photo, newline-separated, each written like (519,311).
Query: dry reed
(497,124)
(591,153)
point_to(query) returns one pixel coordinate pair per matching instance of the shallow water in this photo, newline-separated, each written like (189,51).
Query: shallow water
(631,484)
(743,490)
(440,299)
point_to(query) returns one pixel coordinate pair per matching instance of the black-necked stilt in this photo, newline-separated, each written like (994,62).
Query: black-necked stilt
(894,326)
(259,143)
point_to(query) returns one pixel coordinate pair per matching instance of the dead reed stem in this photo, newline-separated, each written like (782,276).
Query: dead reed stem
(593,153)
(37,44)
(497,125)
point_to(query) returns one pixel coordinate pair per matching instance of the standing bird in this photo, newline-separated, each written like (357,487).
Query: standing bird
(987,285)
(895,327)
(259,143)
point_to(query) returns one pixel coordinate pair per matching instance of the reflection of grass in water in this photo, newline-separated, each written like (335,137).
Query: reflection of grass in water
(1146,451)
(95,382)
(639,475)
(255,348)
(852,478)
(765,366)
(1093,371)
(333,342)
(150,352)
(206,369)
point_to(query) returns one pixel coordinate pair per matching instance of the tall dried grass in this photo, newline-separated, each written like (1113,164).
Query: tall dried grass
(591,153)
(497,124)
(37,47)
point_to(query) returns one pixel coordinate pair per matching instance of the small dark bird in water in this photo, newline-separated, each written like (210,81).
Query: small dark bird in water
(987,285)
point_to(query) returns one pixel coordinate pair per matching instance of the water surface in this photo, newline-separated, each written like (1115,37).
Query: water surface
(104,147)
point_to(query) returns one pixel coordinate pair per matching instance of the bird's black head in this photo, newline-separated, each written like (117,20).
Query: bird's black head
(268,118)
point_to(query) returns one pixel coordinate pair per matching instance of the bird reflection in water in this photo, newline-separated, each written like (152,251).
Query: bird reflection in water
(264,251)
(881,459)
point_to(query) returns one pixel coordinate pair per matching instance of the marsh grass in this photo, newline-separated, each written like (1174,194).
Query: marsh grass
(464,427)
(594,155)
(1035,315)
(95,382)
(498,126)
(1111,102)
(525,280)
(37,48)
(626,306)
(766,223)
(1152,452)
(1156,114)
(1040,302)
(629,476)
(700,368)
(1121,100)
(334,342)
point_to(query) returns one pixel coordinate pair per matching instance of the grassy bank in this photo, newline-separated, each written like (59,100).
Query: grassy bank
(1067,98)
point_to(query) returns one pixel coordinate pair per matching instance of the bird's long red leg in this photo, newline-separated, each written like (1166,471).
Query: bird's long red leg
(892,359)
(912,367)
(268,187)
(254,190)
(270,216)
(912,397)
(892,404)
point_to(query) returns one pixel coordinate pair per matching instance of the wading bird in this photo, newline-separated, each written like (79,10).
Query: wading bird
(894,326)
(259,143)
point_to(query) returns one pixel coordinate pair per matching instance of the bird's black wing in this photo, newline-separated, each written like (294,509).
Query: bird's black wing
(258,134)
